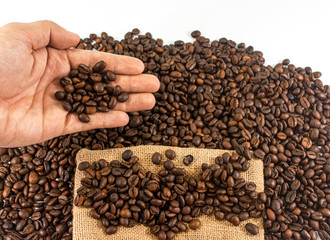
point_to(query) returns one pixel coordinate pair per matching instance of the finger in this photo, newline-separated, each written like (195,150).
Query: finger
(45,33)
(137,102)
(138,83)
(98,120)
(116,63)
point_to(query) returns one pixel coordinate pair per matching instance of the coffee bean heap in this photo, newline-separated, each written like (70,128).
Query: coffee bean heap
(212,93)
(123,194)
(86,91)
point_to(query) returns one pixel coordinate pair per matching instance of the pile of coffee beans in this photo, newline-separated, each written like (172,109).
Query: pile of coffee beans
(86,91)
(124,194)
(213,94)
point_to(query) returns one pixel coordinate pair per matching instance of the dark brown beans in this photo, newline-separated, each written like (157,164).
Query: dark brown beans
(251,228)
(156,158)
(170,154)
(86,91)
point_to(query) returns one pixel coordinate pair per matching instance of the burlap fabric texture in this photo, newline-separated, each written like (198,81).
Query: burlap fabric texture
(87,228)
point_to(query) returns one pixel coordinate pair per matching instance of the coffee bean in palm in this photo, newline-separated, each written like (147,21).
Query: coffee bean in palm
(67,106)
(99,67)
(170,154)
(96,77)
(98,87)
(82,68)
(156,158)
(69,88)
(60,95)
(113,102)
(87,92)
(83,117)
(117,90)
(251,228)
(123,97)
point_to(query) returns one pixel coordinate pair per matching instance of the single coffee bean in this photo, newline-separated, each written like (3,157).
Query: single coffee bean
(195,224)
(67,106)
(83,165)
(127,154)
(111,75)
(251,228)
(219,215)
(111,230)
(122,97)
(98,87)
(99,67)
(60,95)
(117,90)
(83,118)
(195,34)
(168,165)
(170,154)
(156,158)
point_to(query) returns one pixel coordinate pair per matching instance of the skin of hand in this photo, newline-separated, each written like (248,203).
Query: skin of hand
(33,57)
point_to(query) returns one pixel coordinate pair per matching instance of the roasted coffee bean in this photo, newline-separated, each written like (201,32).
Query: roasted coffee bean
(156,158)
(168,165)
(195,34)
(60,95)
(187,160)
(170,154)
(251,228)
(212,93)
(99,66)
(111,230)
(111,75)
(122,97)
(83,165)
(195,224)
(86,91)
(127,155)
(83,118)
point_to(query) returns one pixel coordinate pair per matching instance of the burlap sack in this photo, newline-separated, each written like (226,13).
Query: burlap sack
(87,228)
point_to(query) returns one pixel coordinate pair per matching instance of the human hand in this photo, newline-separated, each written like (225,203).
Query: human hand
(33,57)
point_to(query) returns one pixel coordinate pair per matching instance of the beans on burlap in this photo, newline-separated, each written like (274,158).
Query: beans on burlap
(87,228)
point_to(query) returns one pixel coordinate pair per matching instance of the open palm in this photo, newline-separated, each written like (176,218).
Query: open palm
(32,59)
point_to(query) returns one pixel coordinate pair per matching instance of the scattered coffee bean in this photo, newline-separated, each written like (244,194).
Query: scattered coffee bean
(195,224)
(127,154)
(251,228)
(187,160)
(195,34)
(170,154)
(156,158)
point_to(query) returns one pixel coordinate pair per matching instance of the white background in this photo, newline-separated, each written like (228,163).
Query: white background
(298,30)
